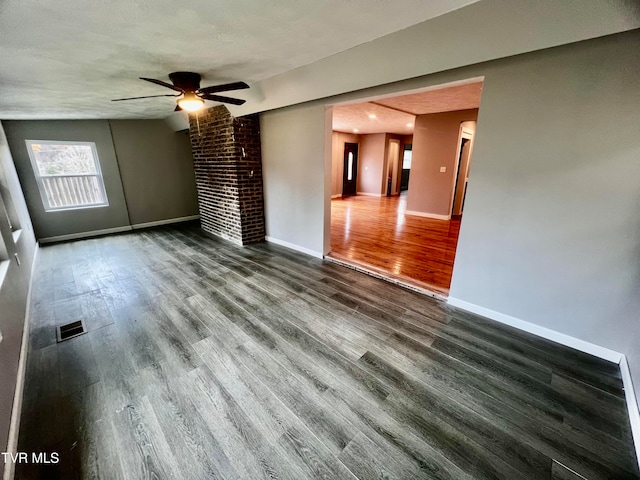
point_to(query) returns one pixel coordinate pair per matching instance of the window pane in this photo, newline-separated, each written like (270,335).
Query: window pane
(406,160)
(68,174)
(53,159)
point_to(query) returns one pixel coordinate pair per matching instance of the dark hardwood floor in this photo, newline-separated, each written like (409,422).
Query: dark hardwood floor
(205,360)
(375,234)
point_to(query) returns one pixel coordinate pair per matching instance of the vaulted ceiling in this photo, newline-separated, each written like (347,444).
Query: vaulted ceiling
(68,59)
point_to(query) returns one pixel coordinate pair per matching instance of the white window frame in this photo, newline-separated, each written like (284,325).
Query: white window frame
(40,182)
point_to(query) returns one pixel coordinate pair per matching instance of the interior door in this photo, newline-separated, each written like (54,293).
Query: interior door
(350,173)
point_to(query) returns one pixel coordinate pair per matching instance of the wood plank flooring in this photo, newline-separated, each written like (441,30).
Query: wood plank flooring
(375,234)
(204,360)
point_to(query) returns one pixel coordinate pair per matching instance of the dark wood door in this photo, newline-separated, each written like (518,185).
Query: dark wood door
(350,174)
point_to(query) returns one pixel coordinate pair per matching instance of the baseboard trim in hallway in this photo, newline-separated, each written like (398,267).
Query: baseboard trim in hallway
(435,216)
(293,246)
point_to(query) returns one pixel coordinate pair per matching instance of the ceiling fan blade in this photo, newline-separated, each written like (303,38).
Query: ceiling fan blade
(149,96)
(219,98)
(227,87)
(163,84)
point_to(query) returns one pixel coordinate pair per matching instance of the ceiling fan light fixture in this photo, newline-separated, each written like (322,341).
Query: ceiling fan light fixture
(191,102)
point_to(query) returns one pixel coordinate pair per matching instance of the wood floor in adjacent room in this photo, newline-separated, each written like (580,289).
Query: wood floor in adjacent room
(205,360)
(374,233)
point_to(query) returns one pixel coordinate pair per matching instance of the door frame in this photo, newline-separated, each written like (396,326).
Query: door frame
(465,132)
(395,175)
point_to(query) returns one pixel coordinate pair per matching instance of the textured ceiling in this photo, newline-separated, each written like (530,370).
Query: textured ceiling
(69,58)
(397,114)
(348,118)
(459,97)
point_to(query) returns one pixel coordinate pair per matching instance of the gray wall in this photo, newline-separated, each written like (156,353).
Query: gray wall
(147,170)
(435,145)
(293,166)
(156,168)
(14,288)
(551,230)
(54,223)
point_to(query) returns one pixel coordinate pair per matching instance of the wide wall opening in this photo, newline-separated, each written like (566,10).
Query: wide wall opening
(399,175)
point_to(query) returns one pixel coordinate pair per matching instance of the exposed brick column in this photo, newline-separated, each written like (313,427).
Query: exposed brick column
(228,168)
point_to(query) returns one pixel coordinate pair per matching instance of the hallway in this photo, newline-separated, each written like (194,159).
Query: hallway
(373,233)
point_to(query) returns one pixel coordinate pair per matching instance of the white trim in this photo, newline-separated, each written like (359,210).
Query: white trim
(4,268)
(370,194)
(16,409)
(427,215)
(293,246)
(92,233)
(39,177)
(632,404)
(106,231)
(167,221)
(338,195)
(561,338)
(464,133)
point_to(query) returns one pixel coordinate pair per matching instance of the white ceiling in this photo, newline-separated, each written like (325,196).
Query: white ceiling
(68,59)
(397,114)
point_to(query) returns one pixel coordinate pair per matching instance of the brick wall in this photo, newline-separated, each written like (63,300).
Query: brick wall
(228,168)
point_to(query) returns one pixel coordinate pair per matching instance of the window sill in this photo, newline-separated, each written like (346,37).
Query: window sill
(79,207)
(16,235)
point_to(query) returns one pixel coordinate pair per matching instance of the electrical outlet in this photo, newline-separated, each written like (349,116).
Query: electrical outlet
(443,169)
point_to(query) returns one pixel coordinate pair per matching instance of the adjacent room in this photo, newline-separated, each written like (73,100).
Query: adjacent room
(382,240)
(400,169)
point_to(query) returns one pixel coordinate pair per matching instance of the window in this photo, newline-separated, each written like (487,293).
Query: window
(406,159)
(68,174)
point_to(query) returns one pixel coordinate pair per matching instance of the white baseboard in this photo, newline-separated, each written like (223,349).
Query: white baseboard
(16,409)
(367,194)
(561,338)
(293,246)
(92,233)
(106,231)
(336,196)
(427,215)
(164,222)
(632,404)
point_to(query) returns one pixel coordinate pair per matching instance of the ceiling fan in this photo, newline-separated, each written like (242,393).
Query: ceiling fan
(192,97)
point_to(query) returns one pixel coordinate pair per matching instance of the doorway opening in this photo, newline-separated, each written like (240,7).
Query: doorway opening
(400,169)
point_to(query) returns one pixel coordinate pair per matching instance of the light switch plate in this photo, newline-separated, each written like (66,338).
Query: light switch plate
(443,169)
